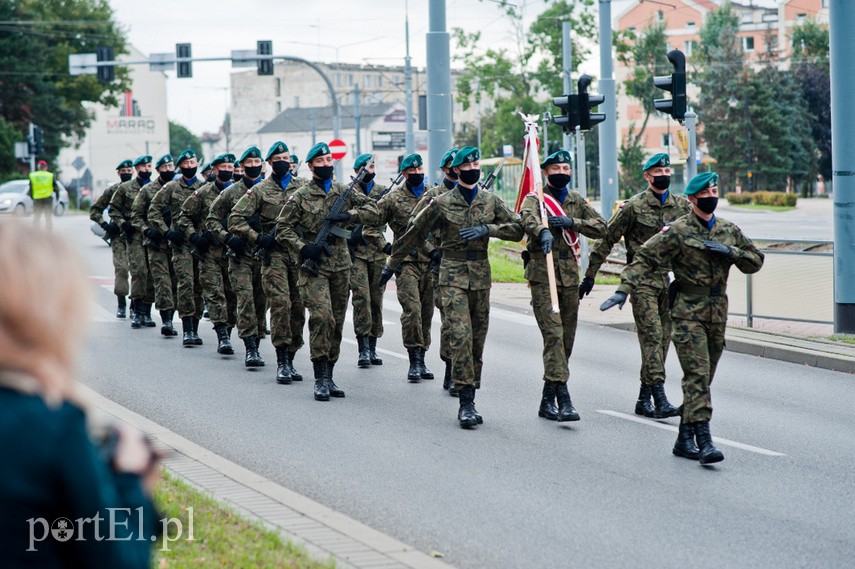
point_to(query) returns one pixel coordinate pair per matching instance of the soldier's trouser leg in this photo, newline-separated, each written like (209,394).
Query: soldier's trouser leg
(326,300)
(410,287)
(274,278)
(444,341)
(149,279)
(213,288)
(361,299)
(259,298)
(138,265)
(376,292)
(240,277)
(557,330)
(189,290)
(298,309)
(699,346)
(43,209)
(162,272)
(120,267)
(468,313)
(653,326)
(426,296)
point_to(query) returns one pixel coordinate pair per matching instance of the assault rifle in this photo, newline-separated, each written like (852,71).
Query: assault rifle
(329,228)
(261,252)
(491,177)
(396,181)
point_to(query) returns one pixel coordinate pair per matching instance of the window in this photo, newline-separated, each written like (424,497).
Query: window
(748,43)
(350,79)
(278,87)
(801,17)
(366,81)
(379,81)
(338,79)
(278,106)
(667,139)
(659,16)
(690,24)
(297,102)
(690,47)
(825,3)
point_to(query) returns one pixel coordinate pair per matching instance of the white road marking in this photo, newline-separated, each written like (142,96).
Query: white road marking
(100,314)
(379,350)
(719,440)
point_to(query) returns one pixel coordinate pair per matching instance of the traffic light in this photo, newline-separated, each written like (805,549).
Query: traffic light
(587,119)
(265,66)
(106,73)
(183,51)
(674,84)
(569,105)
(39,140)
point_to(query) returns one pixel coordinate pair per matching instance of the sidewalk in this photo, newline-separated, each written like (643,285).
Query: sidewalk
(785,341)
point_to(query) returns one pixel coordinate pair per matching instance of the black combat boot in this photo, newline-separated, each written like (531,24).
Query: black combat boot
(322,390)
(335,390)
(187,325)
(283,370)
(253,358)
(224,343)
(136,313)
(446,382)
(566,411)
(466,414)
(423,370)
(414,374)
(121,309)
(661,407)
(685,445)
(295,376)
(364,360)
(146,316)
(196,339)
(372,351)
(548,410)
(643,406)
(167,329)
(205,313)
(707,453)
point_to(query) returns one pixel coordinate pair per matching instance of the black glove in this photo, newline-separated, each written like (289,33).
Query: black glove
(343,216)
(128,228)
(546,241)
(311,251)
(385,276)
(356,238)
(152,233)
(236,244)
(586,287)
(617,298)
(387,248)
(718,248)
(436,256)
(112,230)
(560,222)
(175,236)
(199,242)
(475,232)
(266,241)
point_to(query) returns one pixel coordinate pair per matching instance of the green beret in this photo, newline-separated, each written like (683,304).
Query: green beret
(186,155)
(447,157)
(165,159)
(660,160)
(559,157)
(124,164)
(362,160)
(320,149)
(237,164)
(277,148)
(465,155)
(142,160)
(410,161)
(222,159)
(700,183)
(294,159)
(207,167)
(251,152)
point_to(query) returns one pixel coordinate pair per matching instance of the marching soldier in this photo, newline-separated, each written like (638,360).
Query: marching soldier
(213,266)
(160,268)
(464,219)
(637,220)
(279,269)
(414,280)
(569,216)
(170,198)
(237,174)
(368,261)
(700,248)
(121,211)
(119,247)
(208,174)
(325,293)
(244,270)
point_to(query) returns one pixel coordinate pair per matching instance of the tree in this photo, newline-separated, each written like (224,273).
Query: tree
(9,135)
(812,74)
(181,139)
(36,38)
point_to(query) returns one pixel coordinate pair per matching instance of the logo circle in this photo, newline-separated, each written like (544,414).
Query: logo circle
(62,529)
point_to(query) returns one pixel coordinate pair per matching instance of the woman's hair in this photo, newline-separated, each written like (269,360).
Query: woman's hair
(44,307)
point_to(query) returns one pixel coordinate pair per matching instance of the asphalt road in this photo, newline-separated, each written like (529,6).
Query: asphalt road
(518,492)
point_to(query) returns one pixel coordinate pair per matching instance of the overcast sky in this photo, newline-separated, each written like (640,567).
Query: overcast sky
(352,31)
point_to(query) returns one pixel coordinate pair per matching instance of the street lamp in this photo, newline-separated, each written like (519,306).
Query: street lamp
(732,102)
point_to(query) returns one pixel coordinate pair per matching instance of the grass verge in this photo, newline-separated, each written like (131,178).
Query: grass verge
(843,339)
(221,537)
(764,207)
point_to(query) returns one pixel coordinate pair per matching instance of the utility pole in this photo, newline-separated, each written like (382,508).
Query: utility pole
(567,69)
(357,119)
(842,53)
(582,189)
(438,88)
(692,159)
(546,118)
(32,138)
(408,86)
(608,130)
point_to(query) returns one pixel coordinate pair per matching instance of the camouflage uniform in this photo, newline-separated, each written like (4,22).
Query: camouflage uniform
(157,252)
(142,286)
(699,312)
(637,220)
(119,246)
(368,261)
(558,330)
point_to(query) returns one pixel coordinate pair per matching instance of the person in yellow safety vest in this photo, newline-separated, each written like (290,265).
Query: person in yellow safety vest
(42,187)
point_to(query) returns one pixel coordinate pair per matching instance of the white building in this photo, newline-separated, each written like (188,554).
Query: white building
(137,127)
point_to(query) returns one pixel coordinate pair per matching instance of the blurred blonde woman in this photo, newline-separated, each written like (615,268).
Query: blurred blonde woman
(52,476)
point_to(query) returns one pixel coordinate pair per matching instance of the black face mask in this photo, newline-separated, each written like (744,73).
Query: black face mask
(167,176)
(415,180)
(236,176)
(558,181)
(368,177)
(211,177)
(281,167)
(125,177)
(251,172)
(708,204)
(451,175)
(188,173)
(470,177)
(224,176)
(449,183)
(144,175)
(323,173)
(661,182)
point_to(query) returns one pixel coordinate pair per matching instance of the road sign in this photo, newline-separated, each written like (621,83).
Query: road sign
(338,149)
(79,163)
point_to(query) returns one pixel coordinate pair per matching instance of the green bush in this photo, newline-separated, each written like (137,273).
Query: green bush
(779,199)
(734,198)
(85,204)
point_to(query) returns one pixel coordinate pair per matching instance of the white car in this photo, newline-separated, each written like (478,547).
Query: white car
(14,199)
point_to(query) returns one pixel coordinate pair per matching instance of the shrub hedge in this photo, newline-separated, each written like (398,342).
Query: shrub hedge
(763,198)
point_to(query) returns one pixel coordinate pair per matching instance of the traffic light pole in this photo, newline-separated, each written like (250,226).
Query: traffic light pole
(438,88)
(567,64)
(691,159)
(582,189)
(608,130)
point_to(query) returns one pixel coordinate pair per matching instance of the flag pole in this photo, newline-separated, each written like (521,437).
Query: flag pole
(537,180)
